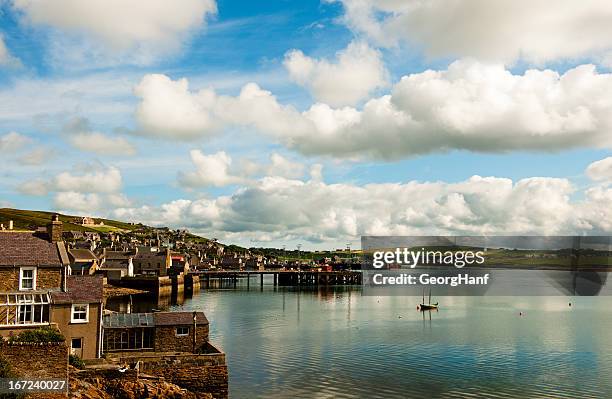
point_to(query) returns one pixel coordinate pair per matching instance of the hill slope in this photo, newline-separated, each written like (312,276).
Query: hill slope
(28,220)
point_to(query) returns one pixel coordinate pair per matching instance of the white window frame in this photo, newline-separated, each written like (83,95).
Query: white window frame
(34,272)
(79,321)
(176,331)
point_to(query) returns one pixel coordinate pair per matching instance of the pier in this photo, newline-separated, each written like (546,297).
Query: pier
(281,278)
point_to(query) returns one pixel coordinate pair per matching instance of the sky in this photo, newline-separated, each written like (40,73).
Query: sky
(280,123)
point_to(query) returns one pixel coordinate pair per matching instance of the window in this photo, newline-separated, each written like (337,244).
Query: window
(27,278)
(80,314)
(182,331)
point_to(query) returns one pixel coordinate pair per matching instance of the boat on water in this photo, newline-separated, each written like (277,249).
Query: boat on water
(427,306)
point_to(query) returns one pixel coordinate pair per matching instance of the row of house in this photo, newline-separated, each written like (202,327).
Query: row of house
(44,283)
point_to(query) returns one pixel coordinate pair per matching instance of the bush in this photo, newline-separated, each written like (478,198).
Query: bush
(76,361)
(44,334)
(5,369)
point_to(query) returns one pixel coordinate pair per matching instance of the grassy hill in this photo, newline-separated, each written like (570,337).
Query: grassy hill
(28,220)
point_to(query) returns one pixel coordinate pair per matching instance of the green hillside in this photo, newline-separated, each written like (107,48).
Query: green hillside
(28,220)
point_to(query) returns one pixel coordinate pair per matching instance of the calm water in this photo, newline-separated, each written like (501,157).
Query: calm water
(338,344)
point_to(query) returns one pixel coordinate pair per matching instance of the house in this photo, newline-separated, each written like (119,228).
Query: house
(155,332)
(77,313)
(233,261)
(117,264)
(150,261)
(32,265)
(36,290)
(82,262)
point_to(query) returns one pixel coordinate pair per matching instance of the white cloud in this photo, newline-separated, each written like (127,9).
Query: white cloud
(281,209)
(97,180)
(211,170)
(219,170)
(168,109)
(13,141)
(472,106)
(600,170)
(75,201)
(281,166)
(502,30)
(130,28)
(359,70)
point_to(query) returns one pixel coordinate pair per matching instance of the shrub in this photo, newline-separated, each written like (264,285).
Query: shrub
(76,361)
(44,334)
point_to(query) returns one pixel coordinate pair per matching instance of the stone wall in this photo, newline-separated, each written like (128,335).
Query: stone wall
(167,341)
(37,361)
(9,279)
(48,278)
(197,373)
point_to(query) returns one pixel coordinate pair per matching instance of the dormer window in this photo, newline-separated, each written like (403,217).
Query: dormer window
(27,278)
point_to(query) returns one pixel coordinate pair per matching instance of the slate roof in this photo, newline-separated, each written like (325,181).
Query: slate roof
(178,318)
(29,249)
(82,254)
(81,289)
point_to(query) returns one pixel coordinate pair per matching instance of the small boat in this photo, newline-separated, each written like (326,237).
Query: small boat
(427,306)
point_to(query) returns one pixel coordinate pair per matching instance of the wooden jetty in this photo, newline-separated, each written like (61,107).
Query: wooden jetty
(282,278)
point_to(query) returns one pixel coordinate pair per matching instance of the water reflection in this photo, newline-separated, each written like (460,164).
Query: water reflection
(336,343)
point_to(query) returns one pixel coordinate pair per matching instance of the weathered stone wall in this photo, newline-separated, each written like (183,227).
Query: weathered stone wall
(37,361)
(197,373)
(9,279)
(167,341)
(48,278)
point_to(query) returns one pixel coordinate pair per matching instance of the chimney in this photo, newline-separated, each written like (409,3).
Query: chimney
(54,229)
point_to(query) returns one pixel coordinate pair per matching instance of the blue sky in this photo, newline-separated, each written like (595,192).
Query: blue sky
(73,112)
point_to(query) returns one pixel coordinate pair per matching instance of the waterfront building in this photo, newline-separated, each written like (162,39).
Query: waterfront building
(155,332)
(36,289)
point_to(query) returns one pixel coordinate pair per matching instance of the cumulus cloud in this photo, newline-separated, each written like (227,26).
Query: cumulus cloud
(211,170)
(471,106)
(13,141)
(219,170)
(281,166)
(600,170)
(81,136)
(168,109)
(150,26)
(358,70)
(97,180)
(75,201)
(502,30)
(281,208)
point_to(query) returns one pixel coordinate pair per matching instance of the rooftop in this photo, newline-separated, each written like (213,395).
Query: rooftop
(30,249)
(127,320)
(84,289)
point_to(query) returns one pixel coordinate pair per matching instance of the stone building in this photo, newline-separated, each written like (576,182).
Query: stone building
(36,291)
(151,261)
(155,332)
